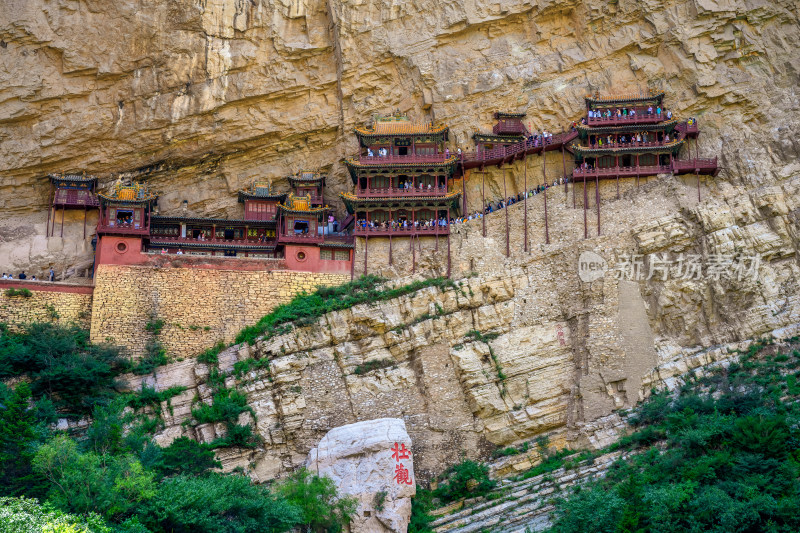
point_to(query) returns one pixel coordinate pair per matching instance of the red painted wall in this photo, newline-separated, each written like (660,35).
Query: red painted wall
(306,258)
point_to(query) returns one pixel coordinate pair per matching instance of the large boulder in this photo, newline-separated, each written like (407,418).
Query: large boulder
(372,461)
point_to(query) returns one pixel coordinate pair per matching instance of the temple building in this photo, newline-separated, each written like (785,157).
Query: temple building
(402,180)
(633,136)
(70,191)
(509,131)
(292,228)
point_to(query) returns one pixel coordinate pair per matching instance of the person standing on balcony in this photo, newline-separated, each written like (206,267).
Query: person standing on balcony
(52,275)
(369,152)
(650,110)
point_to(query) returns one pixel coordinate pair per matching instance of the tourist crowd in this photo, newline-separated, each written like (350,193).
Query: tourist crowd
(624,112)
(51,276)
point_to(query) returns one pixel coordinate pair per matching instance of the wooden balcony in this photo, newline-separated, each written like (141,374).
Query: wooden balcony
(75,199)
(105,226)
(399,192)
(301,238)
(687,166)
(622,172)
(156,240)
(401,231)
(403,159)
(506,128)
(641,117)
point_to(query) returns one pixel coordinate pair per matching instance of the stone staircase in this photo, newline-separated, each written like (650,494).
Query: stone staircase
(518,506)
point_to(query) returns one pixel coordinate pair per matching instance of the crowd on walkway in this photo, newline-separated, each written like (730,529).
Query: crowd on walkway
(51,276)
(624,112)
(641,137)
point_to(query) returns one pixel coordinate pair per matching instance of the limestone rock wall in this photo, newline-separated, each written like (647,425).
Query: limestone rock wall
(198,307)
(199,98)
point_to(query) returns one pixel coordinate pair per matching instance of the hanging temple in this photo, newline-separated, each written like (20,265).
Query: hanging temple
(405,185)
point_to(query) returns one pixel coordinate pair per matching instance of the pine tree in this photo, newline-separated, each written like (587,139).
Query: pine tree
(18,440)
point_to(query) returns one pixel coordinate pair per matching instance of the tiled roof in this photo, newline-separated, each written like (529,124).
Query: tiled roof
(401,127)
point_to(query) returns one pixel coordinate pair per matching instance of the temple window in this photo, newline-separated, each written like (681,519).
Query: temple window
(301,226)
(124,217)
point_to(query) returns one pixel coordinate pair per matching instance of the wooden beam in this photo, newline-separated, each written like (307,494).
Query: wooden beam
(505,200)
(525,205)
(585,201)
(483,199)
(544,175)
(597,201)
(366,252)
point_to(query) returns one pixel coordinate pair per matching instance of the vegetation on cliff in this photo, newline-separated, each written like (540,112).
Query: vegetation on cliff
(722,453)
(113,477)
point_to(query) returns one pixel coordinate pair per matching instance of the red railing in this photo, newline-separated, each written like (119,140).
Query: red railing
(127,228)
(633,144)
(157,240)
(497,155)
(403,159)
(621,171)
(90,201)
(402,231)
(695,164)
(300,238)
(641,117)
(397,192)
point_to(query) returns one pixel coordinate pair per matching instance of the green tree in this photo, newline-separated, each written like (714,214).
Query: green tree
(216,503)
(186,457)
(316,497)
(18,440)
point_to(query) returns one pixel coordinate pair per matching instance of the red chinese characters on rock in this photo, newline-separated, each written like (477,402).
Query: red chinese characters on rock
(560,335)
(401,474)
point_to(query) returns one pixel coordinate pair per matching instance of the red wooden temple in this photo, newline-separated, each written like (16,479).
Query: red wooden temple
(632,137)
(70,191)
(274,226)
(402,181)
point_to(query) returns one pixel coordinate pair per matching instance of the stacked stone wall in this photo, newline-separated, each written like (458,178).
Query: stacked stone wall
(198,307)
(47,302)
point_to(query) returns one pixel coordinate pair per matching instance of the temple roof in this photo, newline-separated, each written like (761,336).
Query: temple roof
(307,177)
(501,115)
(397,124)
(352,201)
(260,190)
(300,205)
(633,98)
(71,178)
(135,193)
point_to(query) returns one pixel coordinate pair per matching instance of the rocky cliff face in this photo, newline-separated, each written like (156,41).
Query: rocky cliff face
(199,97)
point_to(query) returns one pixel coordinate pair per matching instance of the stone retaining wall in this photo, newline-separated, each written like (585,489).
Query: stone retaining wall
(199,307)
(47,302)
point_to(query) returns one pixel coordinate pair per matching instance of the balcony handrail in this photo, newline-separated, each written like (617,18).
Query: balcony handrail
(191,240)
(400,191)
(406,159)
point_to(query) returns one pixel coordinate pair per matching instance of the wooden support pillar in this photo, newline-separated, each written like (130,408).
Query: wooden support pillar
(413,255)
(366,251)
(448,240)
(585,201)
(544,176)
(573,190)
(49,210)
(352,261)
(390,248)
(463,189)
(525,206)
(597,201)
(483,199)
(63,210)
(505,200)
(564,168)
(617,186)
(84,223)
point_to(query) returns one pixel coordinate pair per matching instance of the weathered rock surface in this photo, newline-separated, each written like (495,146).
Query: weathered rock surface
(371,461)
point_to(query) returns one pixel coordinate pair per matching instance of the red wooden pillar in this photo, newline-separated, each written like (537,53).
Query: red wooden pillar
(390,246)
(564,167)
(525,205)
(597,200)
(483,199)
(585,201)
(413,254)
(617,186)
(448,240)
(84,222)
(505,200)
(463,189)
(366,249)
(573,189)
(62,220)
(544,175)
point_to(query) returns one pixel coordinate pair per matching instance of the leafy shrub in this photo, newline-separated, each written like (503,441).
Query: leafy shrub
(24,293)
(154,356)
(26,515)
(505,452)
(154,326)
(316,498)
(186,457)
(227,405)
(238,435)
(421,505)
(209,356)
(467,478)
(62,365)
(376,364)
(216,503)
